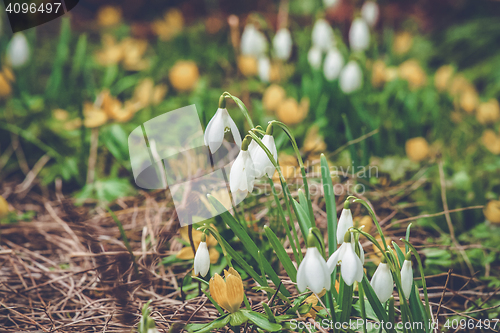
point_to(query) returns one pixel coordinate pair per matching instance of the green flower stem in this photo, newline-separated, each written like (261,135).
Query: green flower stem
(361,294)
(241,105)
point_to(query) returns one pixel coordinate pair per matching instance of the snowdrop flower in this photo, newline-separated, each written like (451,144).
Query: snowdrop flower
(382,282)
(282,44)
(407,276)
(314,57)
(18,50)
(330,3)
(370,12)
(333,64)
(202,258)
(322,35)
(262,163)
(351,266)
(242,174)
(218,125)
(313,271)
(351,77)
(253,42)
(264,66)
(345,222)
(359,35)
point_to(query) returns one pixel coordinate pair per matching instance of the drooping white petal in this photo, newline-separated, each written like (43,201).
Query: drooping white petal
(351,77)
(359,270)
(202,260)
(229,122)
(282,44)
(382,282)
(333,64)
(406,278)
(370,12)
(345,222)
(249,172)
(237,175)
(336,257)
(361,251)
(262,163)
(18,50)
(359,35)
(322,35)
(314,57)
(313,272)
(264,68)
(301,276)
(350,266)
(253,42)
(214,133)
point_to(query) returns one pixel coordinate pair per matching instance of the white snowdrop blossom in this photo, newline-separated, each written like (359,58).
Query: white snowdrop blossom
(314,57)
(253,42)
(264,67)
(18,50)
(282,44)
(322,35)
(330,3)
(359,35)
(370,12)
(242,175)
(313,272)
(406,278)
(262,163)
(202,260)
(333,64)
(382,282)
(351,77)
(351,266)
(217,126)
(345,222)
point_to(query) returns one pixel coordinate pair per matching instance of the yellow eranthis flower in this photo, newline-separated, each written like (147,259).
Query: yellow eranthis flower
(378,73)
(72,124)
(411,71)
(365,220)
(94,117)
(6,78)
(184,75)
(417,149)
(4,207)
(288,165)
(108,16)
(443,77)
(459,84)
(147,93)
(111,52)
(491,141)
(229,293)
(402,42)
(492,211)
(133,51)
(391,73)
(247,65)
(170,26)
(291,113)
(469,100)
(221,195)
(60,114)
(314,143)
(186,252)
(273,97)
(488,112)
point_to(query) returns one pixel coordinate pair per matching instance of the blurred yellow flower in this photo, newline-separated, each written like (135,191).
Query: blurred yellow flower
(111,52)
(365,220)
(313,300)
(221,195)
(291,113)
(492,211)
(108,16)
(469,100)
(72,124)
(402,42)
(108,107)
(186,252)
(184,75)
(228,294)
(313,142)
(147,93)
(459,84)
(247,65)
(170,26)
(6,79)
(488,112)
(93,116)
(442,77)
(391,73)
(491,141)
(4,207)
(411,71)
(60,114)
(417,149)
(378,73)
(377,255)
(129,51)
(273,97)
(289,166)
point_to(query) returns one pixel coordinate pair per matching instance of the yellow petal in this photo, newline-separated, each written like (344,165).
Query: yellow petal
(214,255)
(234,290)
(196,235)
(185,253)
(218,291)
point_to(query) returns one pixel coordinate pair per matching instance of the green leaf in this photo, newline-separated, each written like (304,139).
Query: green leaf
(302,217)
(237,318)
(241,262)
(216,324)
(261,321)
(304,205)
(374,301)
(281,253)
(401,256)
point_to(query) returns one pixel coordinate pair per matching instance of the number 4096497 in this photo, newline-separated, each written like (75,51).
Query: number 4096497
(32,8)
(462,324)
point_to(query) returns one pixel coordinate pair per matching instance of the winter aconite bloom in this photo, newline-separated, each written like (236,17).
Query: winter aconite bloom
(492,211)
(282,44)
(218,125)
(253,42)
(229,293)
(273,97)
(184,75)
(359,35)
(351,266)
(333,64)
(314,57)
(186,253)
(370,12)
(417,149)
(242,174)
(345,222)
(382,282)
(262,163)
(407,276)
(322,35)
(18,50)
(351,77)
(313,271)
(202,258)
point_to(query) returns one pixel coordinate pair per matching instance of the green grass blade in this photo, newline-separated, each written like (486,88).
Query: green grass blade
(302,217)
(281,253)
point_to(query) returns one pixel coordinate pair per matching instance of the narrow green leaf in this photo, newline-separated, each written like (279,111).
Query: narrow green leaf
(407,237)
(261,321)
(401,256)
(281,253)
(269,313)
(374,301)
(216,324)
(331,209)
(302,217)
(241,262)
(345,296)
(304,205)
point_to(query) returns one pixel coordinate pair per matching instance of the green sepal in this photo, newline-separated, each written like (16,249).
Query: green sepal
(237,318)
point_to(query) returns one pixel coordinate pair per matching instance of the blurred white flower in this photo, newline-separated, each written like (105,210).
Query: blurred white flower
(322,35)
(202,259)
(359,35)
(406,278)
(253,42)
(333,64)
(351,266)
(314,57)
(330,3)
(351,77)
(370,12)
(264,68)
(282,44)
(313,272)
(218,125)
(382,282)
(18,50)
(261,161)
